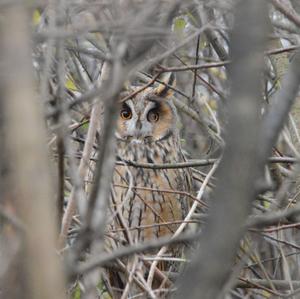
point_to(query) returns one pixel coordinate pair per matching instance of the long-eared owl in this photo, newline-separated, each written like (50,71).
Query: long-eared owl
(148,203)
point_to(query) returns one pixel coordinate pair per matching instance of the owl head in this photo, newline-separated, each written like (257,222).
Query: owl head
(150,115)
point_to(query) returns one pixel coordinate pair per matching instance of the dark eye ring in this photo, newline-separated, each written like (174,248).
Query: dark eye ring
(126,114)
(153,116)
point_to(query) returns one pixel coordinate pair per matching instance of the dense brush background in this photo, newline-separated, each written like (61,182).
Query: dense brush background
(63,66)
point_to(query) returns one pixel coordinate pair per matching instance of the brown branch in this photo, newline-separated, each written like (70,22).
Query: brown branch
(197,163)
(194,67)
(206,14)
(169,52)
(133,94)
(165,191)
(277,240)
(189,163)
(282,50)
(246,283)
(208,84)
(106,258)
(278,228)
(195,71)
(169,223)
(204,162)
(260,283)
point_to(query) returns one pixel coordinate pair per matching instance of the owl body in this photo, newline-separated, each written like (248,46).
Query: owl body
(151,201)
(147,203)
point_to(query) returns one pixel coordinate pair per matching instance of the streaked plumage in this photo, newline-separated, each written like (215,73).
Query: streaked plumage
(143,204)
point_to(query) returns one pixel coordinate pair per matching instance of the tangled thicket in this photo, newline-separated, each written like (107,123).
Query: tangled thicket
(64,65)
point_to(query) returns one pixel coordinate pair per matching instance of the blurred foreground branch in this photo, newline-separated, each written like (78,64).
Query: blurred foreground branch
(238,168)
(28,161)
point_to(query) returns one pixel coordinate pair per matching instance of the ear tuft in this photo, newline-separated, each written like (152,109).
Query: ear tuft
(163,89)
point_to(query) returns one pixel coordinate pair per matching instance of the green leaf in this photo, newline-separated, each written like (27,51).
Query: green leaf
(179,25)
(76,293)
(85,126)
(70,84)
(36,17)
(103,291)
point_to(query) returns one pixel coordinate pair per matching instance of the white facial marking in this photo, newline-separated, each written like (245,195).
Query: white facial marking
(138,126)
(136,141)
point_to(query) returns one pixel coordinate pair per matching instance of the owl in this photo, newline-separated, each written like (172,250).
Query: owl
(147,204)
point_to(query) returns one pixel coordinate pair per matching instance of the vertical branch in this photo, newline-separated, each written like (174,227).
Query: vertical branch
(29,176)
(280,107)
(196,62)
(95,221)
(86,154)
(60,96)
(78,196)
(206,14)
(95,215)
(61,181)
(239,167)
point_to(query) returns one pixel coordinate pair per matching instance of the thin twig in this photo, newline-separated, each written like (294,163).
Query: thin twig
(288,12)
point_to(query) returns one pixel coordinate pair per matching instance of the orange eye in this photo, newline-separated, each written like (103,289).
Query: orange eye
(126,114)
(153,116)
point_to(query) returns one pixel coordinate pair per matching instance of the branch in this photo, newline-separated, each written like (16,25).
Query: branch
(107,258)
(288,12)
(238,168)
(86,155)
(30,182)
(197,163)
(273,218)
(278,111)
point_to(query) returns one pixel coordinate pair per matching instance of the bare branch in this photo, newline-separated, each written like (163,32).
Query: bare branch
(30,178)
(288,12)
(238,168)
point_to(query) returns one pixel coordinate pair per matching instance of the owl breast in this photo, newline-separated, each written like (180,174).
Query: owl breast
(148,203)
